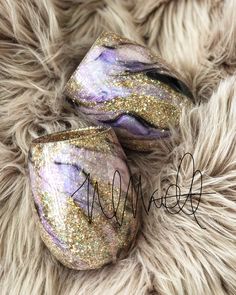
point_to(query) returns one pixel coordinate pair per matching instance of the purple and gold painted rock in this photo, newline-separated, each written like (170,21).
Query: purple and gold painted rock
(122,84)
(85,216)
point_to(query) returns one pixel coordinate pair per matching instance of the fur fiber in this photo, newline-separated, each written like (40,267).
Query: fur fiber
(41,43)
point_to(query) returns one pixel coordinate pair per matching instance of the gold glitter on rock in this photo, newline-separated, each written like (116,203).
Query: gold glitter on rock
(110,82)
(64,224)
(158,113)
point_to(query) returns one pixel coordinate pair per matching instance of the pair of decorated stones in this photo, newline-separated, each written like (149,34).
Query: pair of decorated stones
(86,209)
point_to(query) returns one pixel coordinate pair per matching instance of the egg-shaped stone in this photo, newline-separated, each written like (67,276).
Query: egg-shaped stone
(122,84)
(83,197)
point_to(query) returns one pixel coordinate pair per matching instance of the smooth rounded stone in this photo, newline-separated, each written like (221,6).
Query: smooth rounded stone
(122,84)
(85,213)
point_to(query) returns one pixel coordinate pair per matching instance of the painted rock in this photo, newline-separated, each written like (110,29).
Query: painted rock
(84,209)
(122,84)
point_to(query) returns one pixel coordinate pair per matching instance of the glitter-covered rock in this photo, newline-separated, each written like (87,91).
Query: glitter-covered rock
(121,83)
(84,218)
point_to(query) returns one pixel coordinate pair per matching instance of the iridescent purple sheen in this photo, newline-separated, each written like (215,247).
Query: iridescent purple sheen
(133,125)
(96,70)
(58,170)
(116,69)
(63,166)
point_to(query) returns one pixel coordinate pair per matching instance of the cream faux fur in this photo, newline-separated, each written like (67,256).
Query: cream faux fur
(41,43)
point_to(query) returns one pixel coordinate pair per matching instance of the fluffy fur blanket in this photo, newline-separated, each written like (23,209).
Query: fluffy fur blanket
(41,43)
